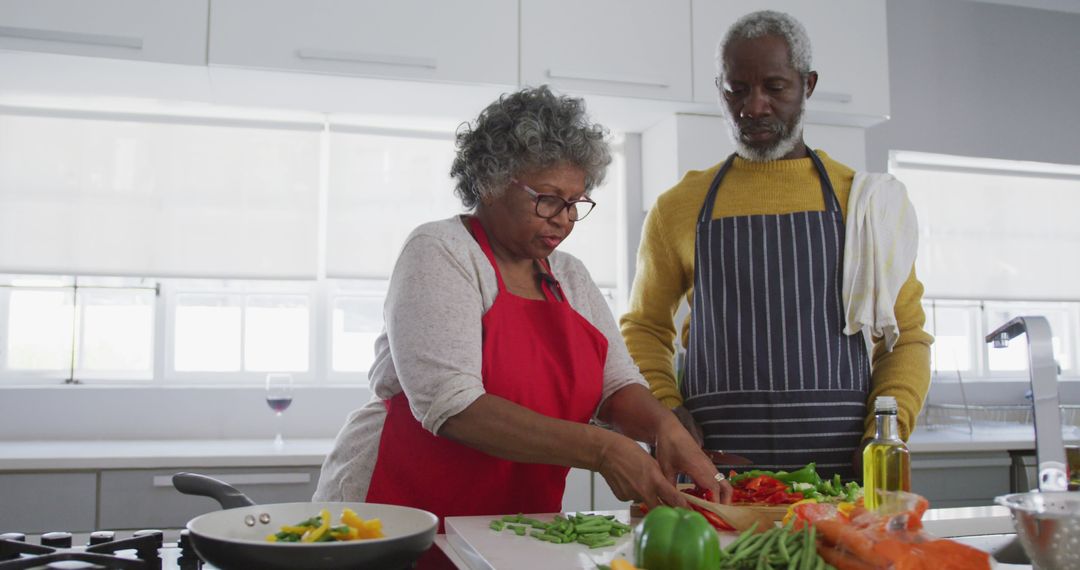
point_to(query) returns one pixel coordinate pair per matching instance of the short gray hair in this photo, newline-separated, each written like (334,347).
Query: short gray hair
(768,22)
(529,129)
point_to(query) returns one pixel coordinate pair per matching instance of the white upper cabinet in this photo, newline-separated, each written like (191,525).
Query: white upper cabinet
(172,31)
(632,48)
(850,53)
(472,41)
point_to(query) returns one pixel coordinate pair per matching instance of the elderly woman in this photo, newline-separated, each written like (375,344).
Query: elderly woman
(499,353)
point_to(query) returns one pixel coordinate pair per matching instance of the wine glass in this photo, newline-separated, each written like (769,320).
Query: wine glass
(279,389)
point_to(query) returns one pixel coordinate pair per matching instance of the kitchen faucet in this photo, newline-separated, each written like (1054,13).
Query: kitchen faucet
(1049,445)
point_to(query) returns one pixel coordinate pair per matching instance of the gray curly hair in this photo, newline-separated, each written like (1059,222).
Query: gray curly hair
(768,22)
(532,128)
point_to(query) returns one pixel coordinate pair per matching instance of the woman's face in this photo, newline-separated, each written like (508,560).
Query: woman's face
(511,216)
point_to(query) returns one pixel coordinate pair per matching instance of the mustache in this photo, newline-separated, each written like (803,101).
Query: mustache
(759,125)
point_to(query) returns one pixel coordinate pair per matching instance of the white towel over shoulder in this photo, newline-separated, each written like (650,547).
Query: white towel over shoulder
(879,250)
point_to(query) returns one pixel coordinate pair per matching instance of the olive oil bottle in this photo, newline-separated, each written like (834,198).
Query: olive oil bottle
(886,460)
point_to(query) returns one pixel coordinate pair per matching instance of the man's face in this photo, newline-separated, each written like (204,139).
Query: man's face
(763,98)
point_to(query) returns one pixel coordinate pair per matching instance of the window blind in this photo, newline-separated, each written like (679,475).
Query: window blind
(994,229)
(132,195)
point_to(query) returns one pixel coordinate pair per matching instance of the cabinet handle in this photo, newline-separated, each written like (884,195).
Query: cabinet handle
(833,96)
(553,74)
(376,58)
(247,479)
(58,36)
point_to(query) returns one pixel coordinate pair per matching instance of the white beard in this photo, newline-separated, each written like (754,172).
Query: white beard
(778,150)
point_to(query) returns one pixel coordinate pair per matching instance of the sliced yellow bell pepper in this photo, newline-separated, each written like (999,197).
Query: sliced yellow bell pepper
(296,529)
(316,533)
(791,510)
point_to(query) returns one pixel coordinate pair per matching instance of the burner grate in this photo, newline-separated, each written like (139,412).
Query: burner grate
(102,553)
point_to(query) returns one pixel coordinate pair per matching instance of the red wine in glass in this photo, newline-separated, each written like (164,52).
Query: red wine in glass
(279,389)
(279,404)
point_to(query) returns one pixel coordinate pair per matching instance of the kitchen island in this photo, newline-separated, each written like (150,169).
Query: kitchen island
(472,545)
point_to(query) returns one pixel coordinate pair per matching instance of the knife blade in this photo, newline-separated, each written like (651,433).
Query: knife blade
(719,457)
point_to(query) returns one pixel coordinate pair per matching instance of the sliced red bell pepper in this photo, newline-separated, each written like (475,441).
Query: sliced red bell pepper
(714,519)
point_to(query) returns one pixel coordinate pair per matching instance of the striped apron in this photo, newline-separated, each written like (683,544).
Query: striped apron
(769,373)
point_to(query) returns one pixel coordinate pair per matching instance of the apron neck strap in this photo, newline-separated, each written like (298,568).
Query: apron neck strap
(485,245)
(827,192)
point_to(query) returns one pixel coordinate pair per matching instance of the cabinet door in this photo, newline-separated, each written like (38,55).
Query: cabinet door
(469,40)
(578,493)
(960,479)
(132,499)
(154,30)
(44,502)
(850,54)
(604,498)
(633,48)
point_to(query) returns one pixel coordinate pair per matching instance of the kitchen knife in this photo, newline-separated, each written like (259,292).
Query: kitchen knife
(719,457)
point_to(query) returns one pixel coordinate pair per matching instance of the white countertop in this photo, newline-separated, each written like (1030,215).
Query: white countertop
(164,454)
(1001,437)
(471,545)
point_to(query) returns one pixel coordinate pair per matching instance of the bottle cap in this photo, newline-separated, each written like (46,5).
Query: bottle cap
(885,404)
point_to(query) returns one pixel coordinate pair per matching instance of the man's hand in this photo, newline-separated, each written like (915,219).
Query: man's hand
(690,424)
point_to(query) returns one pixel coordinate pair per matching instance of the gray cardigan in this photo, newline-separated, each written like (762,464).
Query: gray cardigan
(441,287)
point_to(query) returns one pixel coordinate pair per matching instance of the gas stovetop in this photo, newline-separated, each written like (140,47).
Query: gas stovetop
(102,550)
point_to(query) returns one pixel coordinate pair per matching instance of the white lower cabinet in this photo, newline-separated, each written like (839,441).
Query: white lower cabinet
(135,499)
(604,498)
(960,479)
(46,502)
(578,494)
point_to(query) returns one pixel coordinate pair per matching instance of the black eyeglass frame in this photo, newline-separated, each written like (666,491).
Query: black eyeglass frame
(566,204)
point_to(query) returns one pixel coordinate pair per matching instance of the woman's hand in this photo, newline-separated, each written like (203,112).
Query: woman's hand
(634,475)
(678,452)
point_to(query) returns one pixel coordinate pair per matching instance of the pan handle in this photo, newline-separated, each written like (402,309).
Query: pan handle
(203,486)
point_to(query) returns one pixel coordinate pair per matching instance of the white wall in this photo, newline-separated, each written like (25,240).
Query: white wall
(980,79)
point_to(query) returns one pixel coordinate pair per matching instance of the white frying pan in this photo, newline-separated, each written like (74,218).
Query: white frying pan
(235,538)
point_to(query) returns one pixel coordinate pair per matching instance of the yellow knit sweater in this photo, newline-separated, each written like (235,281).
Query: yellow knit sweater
(665,276)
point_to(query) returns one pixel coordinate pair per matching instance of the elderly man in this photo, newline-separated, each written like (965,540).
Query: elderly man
(784,256)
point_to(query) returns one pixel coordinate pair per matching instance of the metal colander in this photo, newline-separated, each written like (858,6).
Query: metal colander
(1048,525)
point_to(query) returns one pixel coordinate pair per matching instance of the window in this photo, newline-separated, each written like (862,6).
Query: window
(356,321)
(271,240)
(1014,358)
(85,328)
(954,325)
(960,348)
(996,241)
(238,329)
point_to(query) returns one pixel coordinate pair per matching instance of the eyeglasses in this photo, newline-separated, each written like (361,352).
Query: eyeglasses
(549,205)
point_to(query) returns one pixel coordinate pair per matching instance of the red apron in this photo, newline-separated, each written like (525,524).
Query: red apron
(542,355)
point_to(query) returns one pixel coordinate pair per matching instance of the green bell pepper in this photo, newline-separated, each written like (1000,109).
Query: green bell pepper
(676,539)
